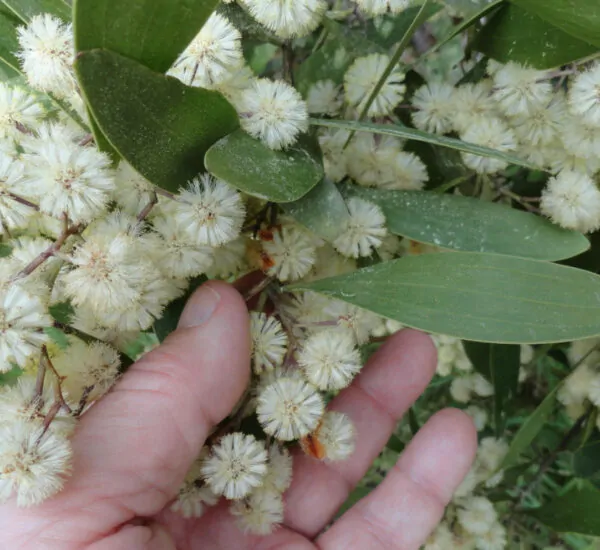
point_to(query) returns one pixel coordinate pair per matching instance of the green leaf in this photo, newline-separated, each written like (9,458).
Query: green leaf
(579,18)
(405,132)
(9,43)
(101,142)
(418,19)
(10,378)
(323,210)
(471,225)
(530,429)
(513,34)
(395,444)
(5,250)
(152,32)
(468,22)
(586,460)
(62,312)
(575,511)
(482,297)
(499,363)
(170,317)
(160,126)
(387,30)
(26,9)
(278,176)
(57,336)
(7,72)
(342,46)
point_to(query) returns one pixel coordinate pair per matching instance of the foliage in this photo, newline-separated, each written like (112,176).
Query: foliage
(433,167)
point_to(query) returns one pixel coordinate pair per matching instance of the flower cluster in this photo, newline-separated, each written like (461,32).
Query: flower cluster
(84,235)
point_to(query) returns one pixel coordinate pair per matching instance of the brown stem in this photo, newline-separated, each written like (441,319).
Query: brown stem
(23,201)
(41,376)
(86,140)
(257,288)
(165,193)
(59,380)
(50,251)
(83,401)
(148,208)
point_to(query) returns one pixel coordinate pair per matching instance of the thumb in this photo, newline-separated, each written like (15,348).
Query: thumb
(136,445)
(137,537)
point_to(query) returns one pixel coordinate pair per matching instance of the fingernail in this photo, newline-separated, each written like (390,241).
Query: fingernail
(200,307)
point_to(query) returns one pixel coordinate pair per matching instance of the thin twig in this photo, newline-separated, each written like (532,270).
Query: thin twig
(83,401)
(23,201)
(59,381)
(165,193)
(148,208)
(258,288)
(50,251)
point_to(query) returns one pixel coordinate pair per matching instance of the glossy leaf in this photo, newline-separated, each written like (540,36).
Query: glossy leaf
(482,297)
(129,102)
(9,43)
(323,210)
(580,18)
(405,132)
(278,176)
(152,32)
(513,34)
(7,72)
(586,460)
(499,363)
(529,430)
(472,225)
(26,9)
(576,511)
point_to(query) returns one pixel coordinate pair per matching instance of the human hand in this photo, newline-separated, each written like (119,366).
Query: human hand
(134,447)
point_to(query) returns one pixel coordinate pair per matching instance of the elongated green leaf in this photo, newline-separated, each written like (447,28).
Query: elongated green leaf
(419,18)
(586,460)
(576,511)
(482,297)
(499,363)
(418,135)
(579,18)
(386,30)
(160,126)
(513,34)
(153,32)
(331,61)
(26,9)
(8,42)
(7,72)
(278,176)
(529,430)
(323,210)
(468,22)
(472,225)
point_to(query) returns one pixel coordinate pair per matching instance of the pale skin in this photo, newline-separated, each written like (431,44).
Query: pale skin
(133,449)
